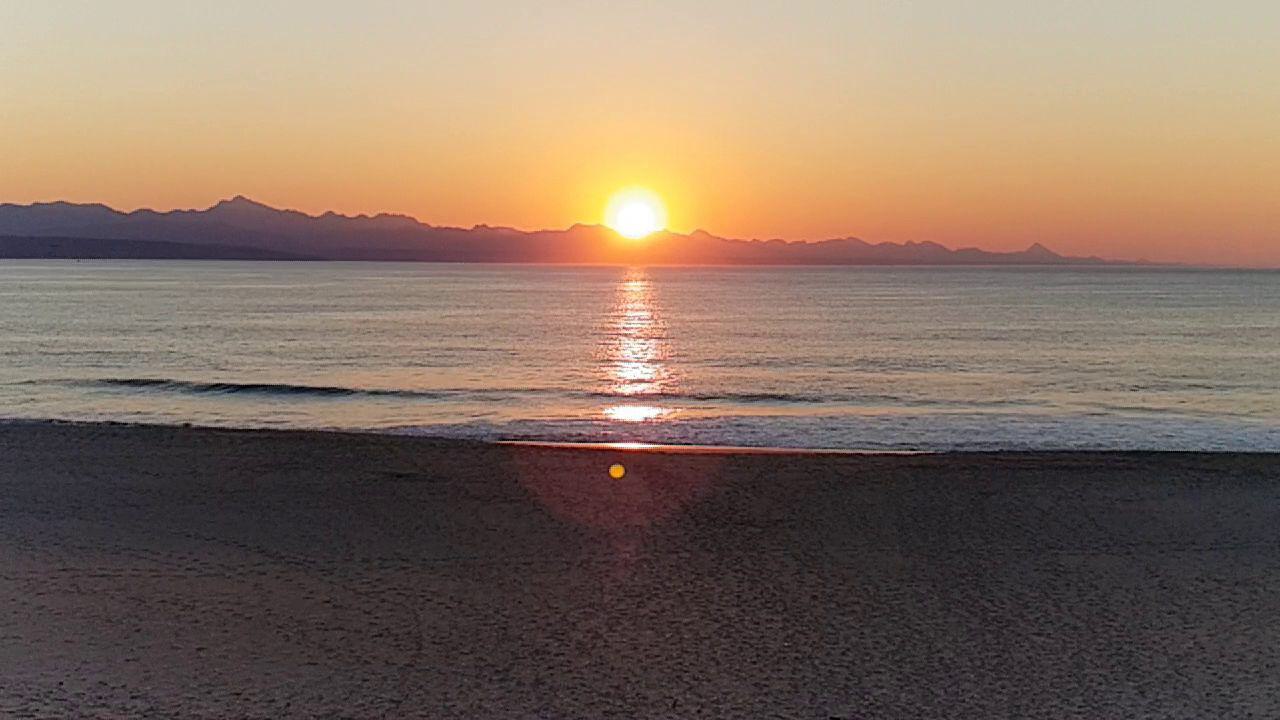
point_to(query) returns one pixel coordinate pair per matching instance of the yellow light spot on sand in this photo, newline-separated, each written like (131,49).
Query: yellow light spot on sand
(616,471)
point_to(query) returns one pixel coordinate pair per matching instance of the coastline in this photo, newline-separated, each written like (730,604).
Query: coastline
(575,438)
(209,572)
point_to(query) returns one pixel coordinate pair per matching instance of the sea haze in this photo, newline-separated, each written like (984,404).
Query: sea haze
(836,357)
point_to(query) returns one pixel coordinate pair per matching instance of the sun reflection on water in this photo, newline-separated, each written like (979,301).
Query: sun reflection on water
(635,357)
(634,413)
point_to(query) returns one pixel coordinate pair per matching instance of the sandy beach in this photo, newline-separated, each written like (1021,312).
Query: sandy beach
(178,572)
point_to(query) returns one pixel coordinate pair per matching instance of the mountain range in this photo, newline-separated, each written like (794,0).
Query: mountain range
(241,228)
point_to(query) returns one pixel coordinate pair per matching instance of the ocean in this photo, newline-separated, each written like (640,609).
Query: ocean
(925,358)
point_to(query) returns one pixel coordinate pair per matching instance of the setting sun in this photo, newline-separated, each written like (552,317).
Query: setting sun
(635,213)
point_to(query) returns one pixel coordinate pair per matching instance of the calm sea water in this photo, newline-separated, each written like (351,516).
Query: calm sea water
(919,358)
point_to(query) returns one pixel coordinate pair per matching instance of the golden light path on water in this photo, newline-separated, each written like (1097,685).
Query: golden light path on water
(635,359)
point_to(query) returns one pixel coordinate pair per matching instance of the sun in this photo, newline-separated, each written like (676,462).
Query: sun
(635,212)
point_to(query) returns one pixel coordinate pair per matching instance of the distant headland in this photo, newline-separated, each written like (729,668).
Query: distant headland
(241,228)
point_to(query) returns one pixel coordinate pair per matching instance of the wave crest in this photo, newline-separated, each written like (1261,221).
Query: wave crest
(231,388)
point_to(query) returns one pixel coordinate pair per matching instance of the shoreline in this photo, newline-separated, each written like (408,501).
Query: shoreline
(208,573)
(677,449)
(623,446)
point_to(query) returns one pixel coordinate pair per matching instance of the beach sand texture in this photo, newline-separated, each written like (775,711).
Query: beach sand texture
(181,572)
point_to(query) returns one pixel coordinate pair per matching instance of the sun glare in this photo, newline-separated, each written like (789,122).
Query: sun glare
(635,213)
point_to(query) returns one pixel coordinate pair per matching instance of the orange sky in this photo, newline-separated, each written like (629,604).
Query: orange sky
(1142,132)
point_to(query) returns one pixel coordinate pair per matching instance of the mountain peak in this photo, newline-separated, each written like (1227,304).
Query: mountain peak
(1040,250)
(240,202)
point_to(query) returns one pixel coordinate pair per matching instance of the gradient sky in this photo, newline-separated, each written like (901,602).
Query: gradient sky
(1135,129)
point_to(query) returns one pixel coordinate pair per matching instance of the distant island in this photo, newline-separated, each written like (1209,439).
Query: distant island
(241,228)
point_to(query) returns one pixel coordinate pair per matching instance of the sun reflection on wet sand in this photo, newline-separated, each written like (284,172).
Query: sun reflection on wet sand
(635,357)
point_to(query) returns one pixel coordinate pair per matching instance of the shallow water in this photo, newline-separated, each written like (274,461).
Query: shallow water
(904,358)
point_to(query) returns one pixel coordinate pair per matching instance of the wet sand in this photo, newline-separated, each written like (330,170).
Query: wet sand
(178,572)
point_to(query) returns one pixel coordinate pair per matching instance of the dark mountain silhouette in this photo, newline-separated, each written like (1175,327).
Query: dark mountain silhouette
(243,225)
